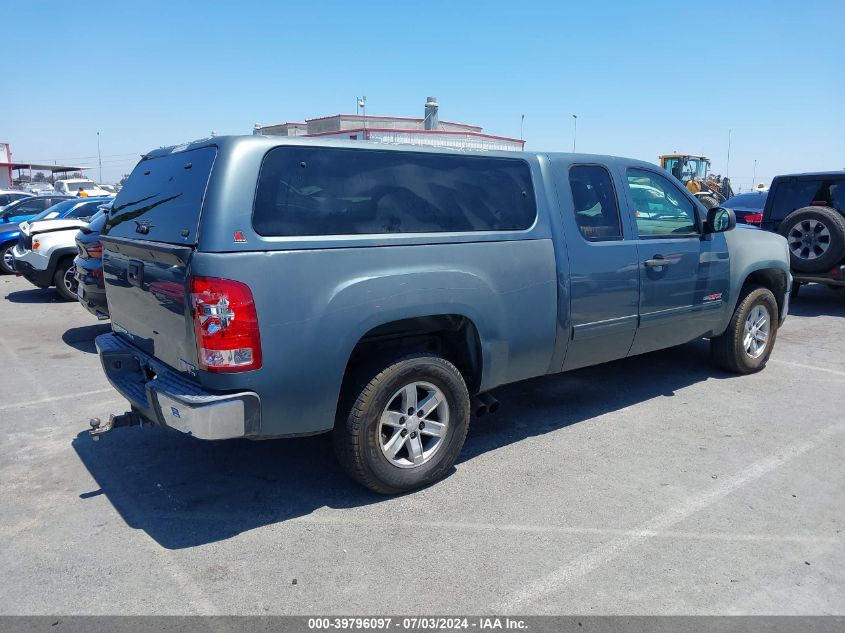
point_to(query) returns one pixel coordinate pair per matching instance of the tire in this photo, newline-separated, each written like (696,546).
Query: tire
(816,238)
(731,351)
(64,280)
(5,258)
(709,202)
(372,426)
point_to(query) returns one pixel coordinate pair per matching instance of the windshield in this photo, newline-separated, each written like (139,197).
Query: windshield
(685,170)
(698,166)
(82,184)
(56,211)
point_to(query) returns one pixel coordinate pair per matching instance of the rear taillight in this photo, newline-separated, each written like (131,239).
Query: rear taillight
(94,250)
(754,218)
(226,325)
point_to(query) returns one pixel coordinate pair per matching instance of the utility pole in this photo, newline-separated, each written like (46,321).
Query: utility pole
(99,158)
(574,131)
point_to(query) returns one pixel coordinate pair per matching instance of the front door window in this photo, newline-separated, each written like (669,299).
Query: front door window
(660,209)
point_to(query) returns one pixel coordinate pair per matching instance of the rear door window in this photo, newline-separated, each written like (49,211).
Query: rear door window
(331,191)
(30,207)
(792,194)
(162,199)
(596,209)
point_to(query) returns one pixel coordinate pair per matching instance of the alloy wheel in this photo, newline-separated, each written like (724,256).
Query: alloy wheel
(756,335)
(413,425)
(809,239)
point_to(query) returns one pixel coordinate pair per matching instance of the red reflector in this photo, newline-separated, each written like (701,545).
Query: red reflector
(225,324)
(754,218)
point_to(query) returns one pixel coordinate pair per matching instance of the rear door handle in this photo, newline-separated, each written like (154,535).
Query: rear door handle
(657,261)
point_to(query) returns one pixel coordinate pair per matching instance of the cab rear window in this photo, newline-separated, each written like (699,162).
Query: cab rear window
(333,191)
(162,199)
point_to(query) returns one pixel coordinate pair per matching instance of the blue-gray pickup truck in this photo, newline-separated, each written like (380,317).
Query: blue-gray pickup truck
(274,287)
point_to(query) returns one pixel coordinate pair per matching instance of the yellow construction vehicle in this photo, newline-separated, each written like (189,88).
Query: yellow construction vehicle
(694,172)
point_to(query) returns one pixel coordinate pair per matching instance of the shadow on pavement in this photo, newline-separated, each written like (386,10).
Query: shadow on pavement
(817,300)
(185,492)
(36,295)
(82,338)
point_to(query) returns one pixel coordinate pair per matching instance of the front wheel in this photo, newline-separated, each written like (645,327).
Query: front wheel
(7,259)
(65,280)
(406,426)
(745,346)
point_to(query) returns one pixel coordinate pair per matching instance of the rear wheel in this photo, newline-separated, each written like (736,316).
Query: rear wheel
(65,281)
(6,258)
(745,346)
(816,238)
(406,426)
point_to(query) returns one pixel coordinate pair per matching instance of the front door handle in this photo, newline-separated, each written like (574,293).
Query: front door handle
(657,261)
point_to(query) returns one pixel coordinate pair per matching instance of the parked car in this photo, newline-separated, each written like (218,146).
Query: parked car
(40,188)
(26,208)
(45,250)
(748,207)
(809,211)
(9,224)
(264,287)
(88,264)
(8,196)
(73,187)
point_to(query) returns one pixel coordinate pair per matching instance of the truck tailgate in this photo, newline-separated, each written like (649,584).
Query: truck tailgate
(146,286)
(148,241)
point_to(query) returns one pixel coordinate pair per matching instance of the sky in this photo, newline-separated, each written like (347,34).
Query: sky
(644,78)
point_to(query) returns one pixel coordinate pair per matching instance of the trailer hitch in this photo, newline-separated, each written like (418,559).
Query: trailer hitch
(130,418)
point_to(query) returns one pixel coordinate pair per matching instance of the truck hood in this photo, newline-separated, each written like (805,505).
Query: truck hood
(31,228)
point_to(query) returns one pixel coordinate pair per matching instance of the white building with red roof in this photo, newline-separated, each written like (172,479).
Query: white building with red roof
(429,130)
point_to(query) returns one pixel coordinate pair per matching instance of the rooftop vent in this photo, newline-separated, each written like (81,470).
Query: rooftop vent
(431,113)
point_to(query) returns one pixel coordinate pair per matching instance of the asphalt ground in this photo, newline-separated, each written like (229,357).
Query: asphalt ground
(652,485)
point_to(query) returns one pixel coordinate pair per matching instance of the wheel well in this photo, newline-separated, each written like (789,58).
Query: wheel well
(774,280)
(452,336)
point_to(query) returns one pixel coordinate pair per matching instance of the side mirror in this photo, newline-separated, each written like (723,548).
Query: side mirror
(719,220)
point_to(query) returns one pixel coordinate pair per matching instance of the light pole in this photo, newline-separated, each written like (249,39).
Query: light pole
(728,163)
(754,177)
(99,158)
(521,127)
(574,130)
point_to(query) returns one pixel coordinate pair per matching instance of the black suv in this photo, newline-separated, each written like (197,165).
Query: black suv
(809,211)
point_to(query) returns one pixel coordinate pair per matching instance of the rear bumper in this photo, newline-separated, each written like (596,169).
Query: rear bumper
(834,277)
(164,397)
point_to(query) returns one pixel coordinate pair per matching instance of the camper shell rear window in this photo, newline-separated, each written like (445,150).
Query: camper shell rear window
(162,199)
